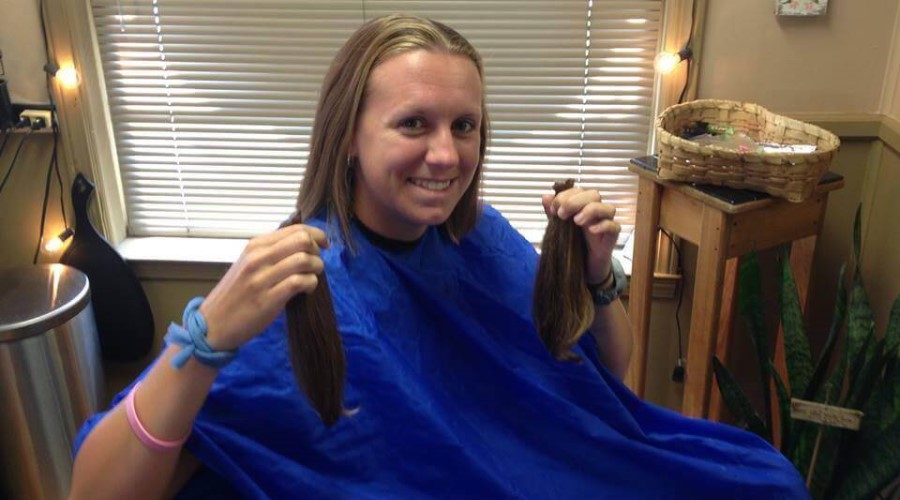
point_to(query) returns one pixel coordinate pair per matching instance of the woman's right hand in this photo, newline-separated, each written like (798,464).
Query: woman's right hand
(272,268)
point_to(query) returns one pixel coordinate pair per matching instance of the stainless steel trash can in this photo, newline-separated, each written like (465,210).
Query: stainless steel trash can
(51,378)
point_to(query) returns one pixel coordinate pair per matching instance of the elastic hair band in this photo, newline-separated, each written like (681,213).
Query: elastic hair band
(141,433)
(192,339)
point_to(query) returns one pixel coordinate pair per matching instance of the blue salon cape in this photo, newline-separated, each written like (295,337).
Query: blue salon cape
(456,397)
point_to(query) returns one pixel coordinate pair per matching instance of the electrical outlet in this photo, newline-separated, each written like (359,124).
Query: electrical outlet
(41,116)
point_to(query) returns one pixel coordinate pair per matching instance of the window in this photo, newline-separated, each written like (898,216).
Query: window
(212,101)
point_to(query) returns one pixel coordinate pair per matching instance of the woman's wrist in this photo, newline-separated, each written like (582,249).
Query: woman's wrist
(607,282)
(192,337)
(216,335)
(607,291)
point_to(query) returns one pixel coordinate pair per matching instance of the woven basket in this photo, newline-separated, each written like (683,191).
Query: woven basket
(792,176)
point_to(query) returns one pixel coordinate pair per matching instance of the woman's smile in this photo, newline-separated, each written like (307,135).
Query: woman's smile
(417,142)
(431,185)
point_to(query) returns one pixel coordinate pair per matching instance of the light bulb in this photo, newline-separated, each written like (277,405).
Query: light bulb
(68,77)
(55,244)
(665,62)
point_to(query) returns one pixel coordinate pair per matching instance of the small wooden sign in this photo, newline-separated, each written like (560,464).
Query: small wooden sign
(833,416)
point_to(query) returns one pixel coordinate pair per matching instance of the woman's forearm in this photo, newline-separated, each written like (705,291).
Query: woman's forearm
(113,463)
(612,333)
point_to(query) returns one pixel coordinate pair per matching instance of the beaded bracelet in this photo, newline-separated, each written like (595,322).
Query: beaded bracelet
(606,293)
(192,339)
(143,435)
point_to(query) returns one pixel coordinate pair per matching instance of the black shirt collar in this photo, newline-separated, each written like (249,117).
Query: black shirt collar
(384,242)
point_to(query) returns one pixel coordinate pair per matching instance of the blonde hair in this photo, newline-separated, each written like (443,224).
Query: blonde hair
(327,183)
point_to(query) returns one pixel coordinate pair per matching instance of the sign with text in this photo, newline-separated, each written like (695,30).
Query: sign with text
(833,416)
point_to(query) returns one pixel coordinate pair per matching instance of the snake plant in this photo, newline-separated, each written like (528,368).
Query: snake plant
(848,464)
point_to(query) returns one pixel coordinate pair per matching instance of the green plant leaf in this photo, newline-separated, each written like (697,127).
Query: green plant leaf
(837,322)
(737,402)
(892,380)
(750,305)
(873,458)
(866,380)
(829,454)
(891,412)
(875,464)
(784,411)
(798,357)
(883,409)
(892,334)
(800,451)
(857,235)
(860,332)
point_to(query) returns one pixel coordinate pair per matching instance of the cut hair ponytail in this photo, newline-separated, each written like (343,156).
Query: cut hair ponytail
(316,351)
(563,308)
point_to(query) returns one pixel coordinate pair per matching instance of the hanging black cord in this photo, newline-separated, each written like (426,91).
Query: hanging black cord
(680,291)
(687,73)
(54,125)
(5,140)
(687,80)
(51,167)
(47,55)
(62,201)
(12,164)
(37,250)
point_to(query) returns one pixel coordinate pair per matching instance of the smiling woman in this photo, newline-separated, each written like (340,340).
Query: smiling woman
(449,390)
(417,143)
(414,118)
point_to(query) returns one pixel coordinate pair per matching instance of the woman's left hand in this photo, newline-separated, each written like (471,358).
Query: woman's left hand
(596,219)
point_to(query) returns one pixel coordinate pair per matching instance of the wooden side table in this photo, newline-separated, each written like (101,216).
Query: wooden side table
(724,223)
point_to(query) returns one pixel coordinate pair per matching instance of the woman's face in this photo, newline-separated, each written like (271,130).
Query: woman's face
(417,140)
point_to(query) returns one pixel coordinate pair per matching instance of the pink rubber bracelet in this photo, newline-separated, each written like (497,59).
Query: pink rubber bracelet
(141,433)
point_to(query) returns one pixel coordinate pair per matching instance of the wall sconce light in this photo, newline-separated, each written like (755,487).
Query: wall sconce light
(665,62)
(57,243)
(67,76)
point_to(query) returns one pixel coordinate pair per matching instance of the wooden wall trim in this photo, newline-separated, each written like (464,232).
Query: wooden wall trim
(889,133)
(857,126)
(847,126)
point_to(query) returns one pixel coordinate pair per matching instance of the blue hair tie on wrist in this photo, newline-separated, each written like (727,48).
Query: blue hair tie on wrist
(192,339)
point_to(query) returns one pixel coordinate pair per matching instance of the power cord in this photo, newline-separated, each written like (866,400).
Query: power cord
(53,165)
(687,73)
(12,164)
(678,371)
(47,54)
(62,201)
(6,135)
(50,168)
(687,80)
(54,125)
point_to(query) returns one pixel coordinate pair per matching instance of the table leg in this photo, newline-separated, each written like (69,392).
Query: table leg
(723,338)
(639,291)
(712,253)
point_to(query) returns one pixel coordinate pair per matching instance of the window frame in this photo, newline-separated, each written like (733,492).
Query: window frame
(87,135)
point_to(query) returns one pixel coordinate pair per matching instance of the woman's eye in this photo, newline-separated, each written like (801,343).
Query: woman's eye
(464,126)
(412,123)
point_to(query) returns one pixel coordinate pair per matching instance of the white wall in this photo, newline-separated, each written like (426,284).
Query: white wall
(831,63)
(23,51)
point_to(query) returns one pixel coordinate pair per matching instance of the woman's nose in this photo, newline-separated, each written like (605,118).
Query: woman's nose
(442,150)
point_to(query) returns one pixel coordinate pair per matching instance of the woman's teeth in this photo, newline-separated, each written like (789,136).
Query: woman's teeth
(431,185)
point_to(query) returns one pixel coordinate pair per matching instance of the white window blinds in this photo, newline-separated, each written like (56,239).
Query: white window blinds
(212,101)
